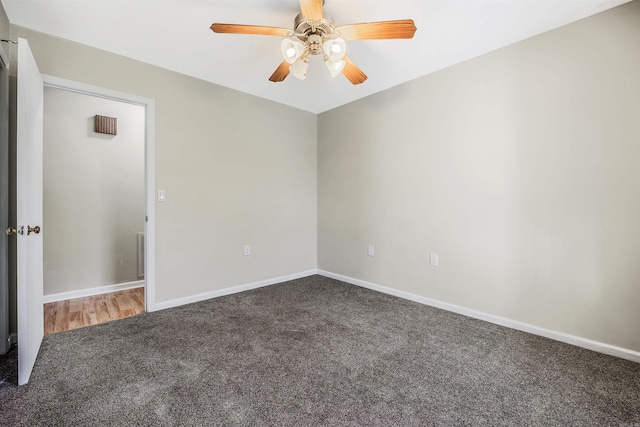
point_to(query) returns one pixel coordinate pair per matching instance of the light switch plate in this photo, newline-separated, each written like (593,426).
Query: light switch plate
(162,196)
(434,260)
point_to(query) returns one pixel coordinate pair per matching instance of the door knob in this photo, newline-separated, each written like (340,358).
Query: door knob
(31,229)
(11,231)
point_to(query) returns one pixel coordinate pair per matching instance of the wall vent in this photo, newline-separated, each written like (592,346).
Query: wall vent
(104,124)
(140,255)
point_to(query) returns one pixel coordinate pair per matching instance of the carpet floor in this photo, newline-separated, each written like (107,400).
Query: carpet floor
(316,351)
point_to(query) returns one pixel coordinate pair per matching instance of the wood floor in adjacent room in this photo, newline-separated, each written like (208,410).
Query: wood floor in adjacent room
(80,312)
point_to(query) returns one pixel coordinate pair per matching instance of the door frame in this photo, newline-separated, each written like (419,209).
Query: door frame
(149,105)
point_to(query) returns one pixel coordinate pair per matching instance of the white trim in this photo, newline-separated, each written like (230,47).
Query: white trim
(150,225)
(87,89)
(62,296)
(150,168)
(232,290)
(597,346)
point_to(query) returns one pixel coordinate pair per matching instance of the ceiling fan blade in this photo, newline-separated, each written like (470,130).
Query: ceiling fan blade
(353,73)
(280,73)
(311,9)
(251,29)
(402,29)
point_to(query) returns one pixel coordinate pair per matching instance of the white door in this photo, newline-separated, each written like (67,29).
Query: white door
(30,98)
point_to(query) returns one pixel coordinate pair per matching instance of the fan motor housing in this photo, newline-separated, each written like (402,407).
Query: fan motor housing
(312,33)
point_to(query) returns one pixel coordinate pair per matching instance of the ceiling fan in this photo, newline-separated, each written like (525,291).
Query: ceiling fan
(312,34)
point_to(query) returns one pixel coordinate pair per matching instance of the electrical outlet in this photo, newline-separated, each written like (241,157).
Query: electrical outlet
(247,250)
(370,250)
(434,260)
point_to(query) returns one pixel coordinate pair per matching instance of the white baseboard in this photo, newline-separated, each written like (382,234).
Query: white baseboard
(62,296)
(232,290)
(599,347)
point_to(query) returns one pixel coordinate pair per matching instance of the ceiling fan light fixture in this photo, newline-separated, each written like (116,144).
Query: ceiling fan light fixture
(299,68)
(335,49)
(335,68)
(314,34)
(291,50)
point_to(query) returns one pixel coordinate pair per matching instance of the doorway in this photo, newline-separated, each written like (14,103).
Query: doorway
(98,202)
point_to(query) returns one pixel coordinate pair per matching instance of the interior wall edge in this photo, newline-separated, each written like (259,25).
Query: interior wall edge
(585,343)
(82,293)
(231,290)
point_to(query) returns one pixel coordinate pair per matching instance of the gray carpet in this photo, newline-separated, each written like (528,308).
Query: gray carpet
(316,351)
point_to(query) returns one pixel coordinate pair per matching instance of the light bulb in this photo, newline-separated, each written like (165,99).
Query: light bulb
(334,49)
(291,50)
(299,68)
(335,68)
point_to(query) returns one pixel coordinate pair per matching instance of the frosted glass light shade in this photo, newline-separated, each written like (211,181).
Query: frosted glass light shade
(299,68)
(335,68)
(335,49)
(291,50)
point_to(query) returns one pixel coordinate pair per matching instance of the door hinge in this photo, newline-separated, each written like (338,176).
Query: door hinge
(15,230)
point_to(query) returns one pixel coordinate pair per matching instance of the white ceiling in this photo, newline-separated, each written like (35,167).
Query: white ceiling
(175,34)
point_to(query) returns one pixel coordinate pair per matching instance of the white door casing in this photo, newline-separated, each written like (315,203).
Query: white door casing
(149,106)
(29,127)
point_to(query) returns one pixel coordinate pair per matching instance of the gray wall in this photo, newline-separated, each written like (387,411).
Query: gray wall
(4,187)
(4,24)
(231,172)
(94,201)
(520,168)
(5,33)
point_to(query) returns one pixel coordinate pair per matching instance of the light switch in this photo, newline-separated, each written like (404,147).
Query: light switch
(370,250)
(434,260)
(162,196)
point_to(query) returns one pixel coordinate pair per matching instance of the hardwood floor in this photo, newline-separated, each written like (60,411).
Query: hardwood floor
(80,312)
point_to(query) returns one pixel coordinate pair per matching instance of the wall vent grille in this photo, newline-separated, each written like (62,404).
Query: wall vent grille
(104,124)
